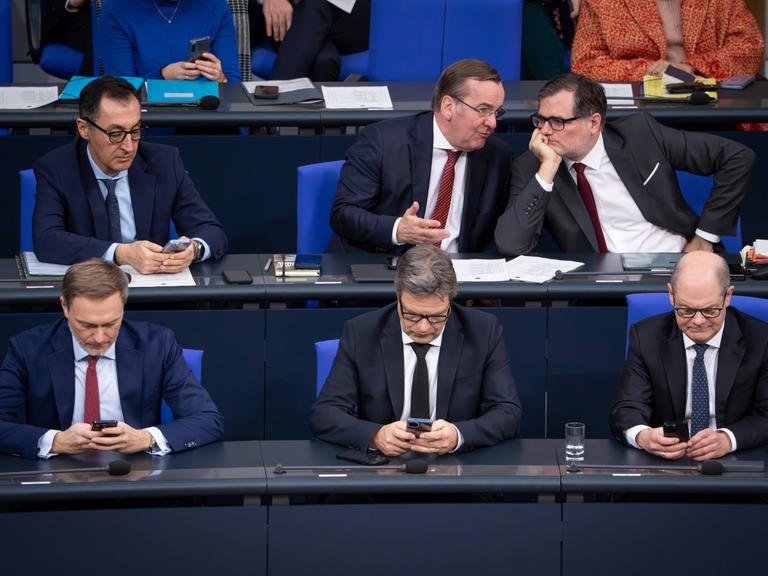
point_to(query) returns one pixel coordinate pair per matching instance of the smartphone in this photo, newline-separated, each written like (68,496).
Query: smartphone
(688,87)
(177,245)
(237,277)
(266,92)
(737,82)
(99,425)
(197,46)
(677,429)
(392,262)
(308,261)
(418,425)
(364,458)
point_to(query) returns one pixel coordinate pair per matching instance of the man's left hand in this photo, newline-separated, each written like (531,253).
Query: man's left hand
(443,438)
(698,243)
(708,444)
(122,438)
(178,261)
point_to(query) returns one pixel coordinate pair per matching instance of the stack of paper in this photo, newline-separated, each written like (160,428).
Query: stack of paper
(522,268)
(368,97)
(27,97)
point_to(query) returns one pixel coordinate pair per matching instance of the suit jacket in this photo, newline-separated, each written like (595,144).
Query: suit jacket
(645,155)
(69,223)
(37,388)
(618,39)
(653,384)
(389,167)
(365,388)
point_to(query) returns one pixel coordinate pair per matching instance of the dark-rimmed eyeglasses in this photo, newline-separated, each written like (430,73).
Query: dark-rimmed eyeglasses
(483,111)
(431,318)
(117,136)
(708,312)
(555,122)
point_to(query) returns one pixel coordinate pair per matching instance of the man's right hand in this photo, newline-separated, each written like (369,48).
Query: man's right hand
(277,15)
(145,256)
(653,441)
(393,439)
(73,440)
(549,159)
(414,230)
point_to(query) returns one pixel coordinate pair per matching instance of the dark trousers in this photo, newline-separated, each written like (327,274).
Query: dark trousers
(72,29)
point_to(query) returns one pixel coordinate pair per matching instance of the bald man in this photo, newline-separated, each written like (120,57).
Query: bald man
(703,363)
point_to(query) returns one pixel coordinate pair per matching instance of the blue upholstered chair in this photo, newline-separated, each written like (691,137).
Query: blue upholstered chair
(194,359)
(54,58)
(315,192)
(325,351)
(6,48)
(263,59)
(696,190)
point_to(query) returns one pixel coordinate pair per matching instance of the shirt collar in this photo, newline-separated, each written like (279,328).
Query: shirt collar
(99,173)
(437,342)
(438,138)
(82,354)
(594,158)
(713,342)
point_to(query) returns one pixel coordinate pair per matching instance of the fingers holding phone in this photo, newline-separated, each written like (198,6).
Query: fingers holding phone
(440,439)
(180,71)
(122,438)
(210,67)
(393,439)
(74,440)
(180,254)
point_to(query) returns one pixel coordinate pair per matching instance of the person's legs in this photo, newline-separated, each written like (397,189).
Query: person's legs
(350,32)
(312,22)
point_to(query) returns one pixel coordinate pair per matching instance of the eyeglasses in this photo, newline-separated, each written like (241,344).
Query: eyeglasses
(117,136)
(483,111)
(431,318)
(709,312)
(555,122)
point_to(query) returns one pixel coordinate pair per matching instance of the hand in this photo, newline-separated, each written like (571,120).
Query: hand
(657,68)
(278,15)
(122,438)
(78,4)
(210,67)
(393,439)
(652,440)
(443,438)
(145,256)
(178,261)
(575,4)
(414,230)
(180,71)
(550,160)
(707,444)
(698,243)
(74,440)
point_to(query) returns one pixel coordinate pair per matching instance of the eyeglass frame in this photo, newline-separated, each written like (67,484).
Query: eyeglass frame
(718,309)
(109,133)
(498,113)
(440,318)
(549,119)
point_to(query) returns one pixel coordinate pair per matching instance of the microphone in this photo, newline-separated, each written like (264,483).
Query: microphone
(410,467)
(114,468)
(706,468)
(205,103)
(212,102)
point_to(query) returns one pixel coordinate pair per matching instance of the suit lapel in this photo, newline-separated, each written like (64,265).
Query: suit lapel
(61,365)
(392,357)
(625,167)
(142,196)
(729,358)
(569,194)
(692,15)
(130,382)
(93,195)
(450,353)
(675,368)
(421,160)
(474,183)
(647,18)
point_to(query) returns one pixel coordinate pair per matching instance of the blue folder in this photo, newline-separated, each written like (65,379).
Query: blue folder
(172,91)
(77,83)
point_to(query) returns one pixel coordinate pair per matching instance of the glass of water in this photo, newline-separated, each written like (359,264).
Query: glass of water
(574,444)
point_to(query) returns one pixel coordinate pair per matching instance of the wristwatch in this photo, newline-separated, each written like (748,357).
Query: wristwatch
(199,250)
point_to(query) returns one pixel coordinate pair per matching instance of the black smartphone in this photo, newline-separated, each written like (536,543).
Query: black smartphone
(688,87)
(418,425)
(677,429)
(364,458)
(237,277)
(266,92)
(308,261)
(392,262)
(99,425)
(197,46)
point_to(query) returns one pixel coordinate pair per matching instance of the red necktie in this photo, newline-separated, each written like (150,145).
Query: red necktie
(445,191)
(585,191)
(92,410)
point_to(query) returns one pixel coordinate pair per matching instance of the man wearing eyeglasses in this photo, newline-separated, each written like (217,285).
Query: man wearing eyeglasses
(437,177)
(422,357)
(112,196)
(704,366)
(611,187)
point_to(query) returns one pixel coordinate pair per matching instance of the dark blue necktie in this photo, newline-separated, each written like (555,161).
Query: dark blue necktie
(420,386)
(113,211)
(699,392)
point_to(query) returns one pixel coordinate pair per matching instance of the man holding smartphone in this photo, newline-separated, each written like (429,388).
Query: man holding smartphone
(108,194)
(94,381)
(704,365)
(423,374)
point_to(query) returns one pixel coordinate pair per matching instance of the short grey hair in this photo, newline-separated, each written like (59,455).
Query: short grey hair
(722,273)
(425,270)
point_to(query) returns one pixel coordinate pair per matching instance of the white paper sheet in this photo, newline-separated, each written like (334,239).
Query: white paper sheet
(284,85)
(154,280)
(536,269)
(345,5)
(761,247)
(37,268)
(619,95)
(481,270)
(370,97)
(27,97)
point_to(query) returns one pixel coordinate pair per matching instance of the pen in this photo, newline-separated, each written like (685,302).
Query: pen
(268,264)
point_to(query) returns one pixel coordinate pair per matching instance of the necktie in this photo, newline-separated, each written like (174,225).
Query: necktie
(113,211)
(445,191)
(699,392)
(420,387)
(92,410)
(585,191)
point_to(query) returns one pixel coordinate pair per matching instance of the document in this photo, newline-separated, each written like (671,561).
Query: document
(284,85)
(33,267)
(345,5)
(77,83)
(761,248)
(536,269)
(27,97)
(619,95)
(366,97)
(477,270)
(154,280)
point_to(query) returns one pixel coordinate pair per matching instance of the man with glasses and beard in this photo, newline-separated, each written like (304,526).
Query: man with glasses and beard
(602,186)
(704,363)
(109,195)
(421,357)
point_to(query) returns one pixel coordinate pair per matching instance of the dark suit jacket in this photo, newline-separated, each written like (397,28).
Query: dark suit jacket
(37,388)
(70,219)
(635,144)
(388,168)
(653,385)
(365,388)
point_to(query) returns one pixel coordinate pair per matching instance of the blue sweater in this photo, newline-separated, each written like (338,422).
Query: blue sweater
(137,41)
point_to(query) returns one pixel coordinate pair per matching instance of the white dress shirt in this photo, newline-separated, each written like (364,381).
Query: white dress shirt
(440,147)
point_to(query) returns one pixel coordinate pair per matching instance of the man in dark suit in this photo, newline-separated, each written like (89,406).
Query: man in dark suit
(93,365)
(611,187)
(109,195)
(436,177)
(704,363)
(422,357)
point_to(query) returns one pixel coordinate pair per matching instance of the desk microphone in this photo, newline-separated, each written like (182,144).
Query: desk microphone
(205,103)
(114,468)
(410,467)
(707,468)
(560,275)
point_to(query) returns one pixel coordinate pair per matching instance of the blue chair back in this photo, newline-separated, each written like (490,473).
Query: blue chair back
(489,30)
(325,350)
(6,47)
(60,60)
(194,359)
(263,60)
(696,190)
(27,207)
(315,192)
